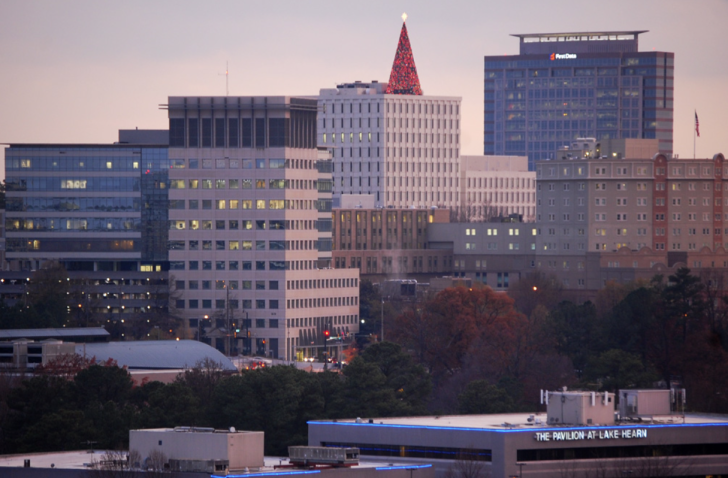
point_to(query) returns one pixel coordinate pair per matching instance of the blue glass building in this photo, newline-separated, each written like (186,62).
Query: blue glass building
(563,86)
(100,210)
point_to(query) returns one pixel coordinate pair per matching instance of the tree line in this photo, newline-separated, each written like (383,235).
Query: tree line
(499,350)
(79,404)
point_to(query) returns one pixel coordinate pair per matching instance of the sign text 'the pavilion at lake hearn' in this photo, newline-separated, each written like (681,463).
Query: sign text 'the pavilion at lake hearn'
(573,435)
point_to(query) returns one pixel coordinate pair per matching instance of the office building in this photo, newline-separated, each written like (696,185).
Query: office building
(577,435)
(391,141)
(496,186)
(245,237)
(563,86)
(100,210)
(389,242)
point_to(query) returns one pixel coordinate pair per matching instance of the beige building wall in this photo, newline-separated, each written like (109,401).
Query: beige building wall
(244,226)
(403,149)
(493,186)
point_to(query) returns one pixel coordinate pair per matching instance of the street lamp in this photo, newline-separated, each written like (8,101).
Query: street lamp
(520,469)
(382,321)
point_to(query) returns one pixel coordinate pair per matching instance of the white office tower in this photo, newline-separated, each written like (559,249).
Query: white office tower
(390,141)
(245,232)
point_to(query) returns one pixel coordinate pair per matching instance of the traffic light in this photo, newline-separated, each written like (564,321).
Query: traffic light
(326,334)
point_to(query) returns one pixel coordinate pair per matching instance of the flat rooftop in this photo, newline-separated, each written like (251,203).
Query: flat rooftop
(82,459)
(519,421)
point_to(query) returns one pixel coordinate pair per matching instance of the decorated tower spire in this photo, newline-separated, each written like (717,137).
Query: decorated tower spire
(404,80)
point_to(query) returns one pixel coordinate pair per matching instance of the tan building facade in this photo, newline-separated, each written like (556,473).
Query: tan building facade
(244,233)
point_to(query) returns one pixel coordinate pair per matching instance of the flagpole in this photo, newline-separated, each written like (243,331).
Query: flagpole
(695,130)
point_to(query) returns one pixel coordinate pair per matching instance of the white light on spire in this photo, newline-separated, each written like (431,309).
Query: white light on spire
(404,17)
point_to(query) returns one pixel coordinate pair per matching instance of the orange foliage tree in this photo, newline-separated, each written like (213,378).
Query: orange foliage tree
(442,332)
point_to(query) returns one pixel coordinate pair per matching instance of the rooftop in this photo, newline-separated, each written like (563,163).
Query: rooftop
(156,354)
(82,459)
(585,36)
(516,421)
(40,334)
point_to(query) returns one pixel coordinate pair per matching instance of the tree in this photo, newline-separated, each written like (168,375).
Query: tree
(481,397)
(574,331)
(277,400)
(441,333)
(616,369)
(536,289)
(410,381)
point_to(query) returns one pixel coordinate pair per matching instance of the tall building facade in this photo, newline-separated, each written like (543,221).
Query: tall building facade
(403,149)
(591,206)
(563,86)
(100,210)
(245,230)
(391,141)
(496,186)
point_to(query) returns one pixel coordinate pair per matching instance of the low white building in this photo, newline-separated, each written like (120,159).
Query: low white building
(493,186)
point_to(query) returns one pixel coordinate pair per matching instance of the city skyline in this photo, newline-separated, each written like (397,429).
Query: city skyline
(93,69)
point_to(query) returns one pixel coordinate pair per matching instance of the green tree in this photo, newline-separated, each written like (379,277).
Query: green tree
(277,400)
(574,331)
(616,369)
(410,381)
(480,397)
(171,405)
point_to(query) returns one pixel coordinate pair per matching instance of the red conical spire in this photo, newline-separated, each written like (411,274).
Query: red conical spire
(404,80)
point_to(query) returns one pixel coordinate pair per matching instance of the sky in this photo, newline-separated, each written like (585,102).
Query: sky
(78,71)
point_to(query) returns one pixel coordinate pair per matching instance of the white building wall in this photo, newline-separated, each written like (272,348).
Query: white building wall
(404,149)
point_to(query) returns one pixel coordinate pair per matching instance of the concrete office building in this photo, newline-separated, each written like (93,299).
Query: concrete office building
(100,210)
(244,234)
(592,203)
(563,86)
(496,186)
(577,436)
(391,141)
(496,254)
(389,242)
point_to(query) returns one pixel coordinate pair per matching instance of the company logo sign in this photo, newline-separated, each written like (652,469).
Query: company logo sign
(563,56)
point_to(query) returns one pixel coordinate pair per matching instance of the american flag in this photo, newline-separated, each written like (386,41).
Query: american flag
(697,124)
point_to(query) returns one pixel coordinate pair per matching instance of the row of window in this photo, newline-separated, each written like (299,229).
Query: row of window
(73,224)
(242,183)
(233,265)
(73,164)
(242,245)
(233,304)
(94,204)
(321,283)
(226,284)
(392,107)
(244,224)
(261,163)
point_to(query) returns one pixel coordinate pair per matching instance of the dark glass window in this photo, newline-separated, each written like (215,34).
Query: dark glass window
(219,132)
(260,323)
(247,133)
(206,303)
(193,133)
(233,134)
(177,132)
(260,132)
(277,138)
(206,132)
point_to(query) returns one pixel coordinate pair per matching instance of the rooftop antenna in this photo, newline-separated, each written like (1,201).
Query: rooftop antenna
(227,90)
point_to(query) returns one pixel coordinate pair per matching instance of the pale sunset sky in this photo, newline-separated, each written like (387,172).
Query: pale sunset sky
(78,71)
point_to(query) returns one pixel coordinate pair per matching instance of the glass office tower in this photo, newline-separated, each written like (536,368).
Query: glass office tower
(101,211)
(564,86)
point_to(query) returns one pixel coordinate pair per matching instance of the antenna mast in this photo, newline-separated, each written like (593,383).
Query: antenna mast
(227,90)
